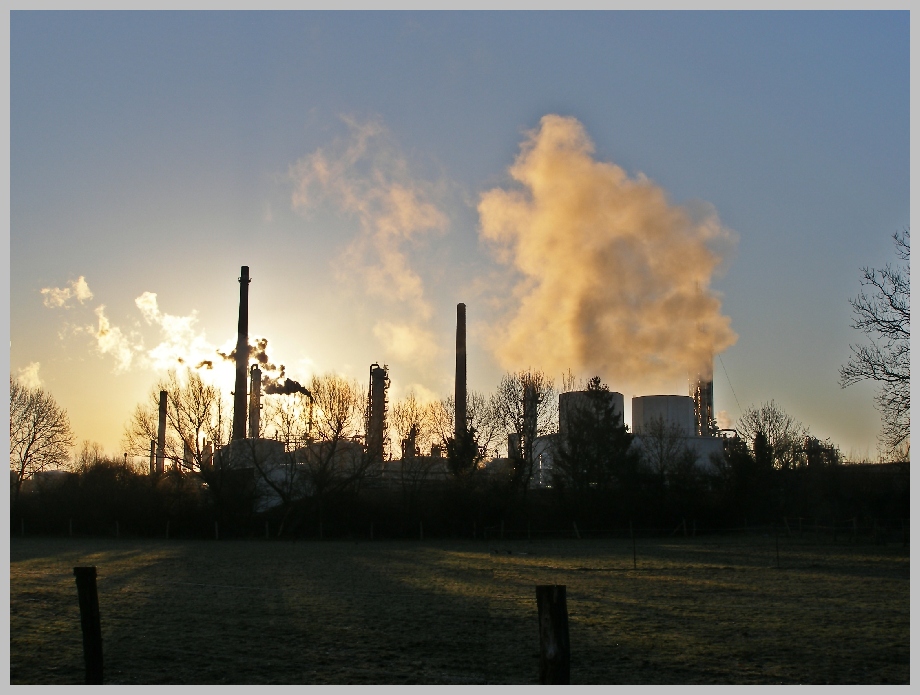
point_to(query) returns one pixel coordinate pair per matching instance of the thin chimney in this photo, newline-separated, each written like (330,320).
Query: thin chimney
(242,358)
(460,376)
(161,434)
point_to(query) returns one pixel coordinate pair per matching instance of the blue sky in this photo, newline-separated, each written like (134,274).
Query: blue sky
(157,152)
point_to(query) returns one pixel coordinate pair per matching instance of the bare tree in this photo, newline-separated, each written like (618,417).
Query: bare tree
(481,418)
(664,448)
(40,433)
(525,405)
(334,458)
(198,421)
(785,436)
(882,312)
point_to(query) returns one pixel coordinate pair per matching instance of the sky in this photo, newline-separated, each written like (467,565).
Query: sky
(613,193)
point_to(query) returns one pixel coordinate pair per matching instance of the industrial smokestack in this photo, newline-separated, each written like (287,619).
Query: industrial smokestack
(701,391)
(377,411)
(161,433)
(255,400)
(242,358)
(460,376)
(153,456)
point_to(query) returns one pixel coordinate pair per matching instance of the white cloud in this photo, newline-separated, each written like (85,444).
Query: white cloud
(28,375)
(110,340)
(55,297)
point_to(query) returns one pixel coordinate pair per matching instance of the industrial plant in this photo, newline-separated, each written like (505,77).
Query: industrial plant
(688,420)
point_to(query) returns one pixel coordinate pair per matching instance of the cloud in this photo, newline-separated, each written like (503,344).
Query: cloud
(367,178)
(613,278)
(181,342)
(28,375)
(406,341)
(110,340)
(59,296)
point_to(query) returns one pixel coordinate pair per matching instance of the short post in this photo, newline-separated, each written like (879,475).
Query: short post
(776,536)
(216,536)
(577,534)
(632,535)
(167,528)
(89,621)
(22,527)
(554,634)
(70,527)
(421,531)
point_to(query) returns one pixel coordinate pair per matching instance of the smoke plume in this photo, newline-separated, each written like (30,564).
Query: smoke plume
(613,278)
(283,387)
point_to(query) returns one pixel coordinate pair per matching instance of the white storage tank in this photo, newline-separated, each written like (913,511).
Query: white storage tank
(675,411)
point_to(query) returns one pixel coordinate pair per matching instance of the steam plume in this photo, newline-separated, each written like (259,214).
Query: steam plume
(614,279)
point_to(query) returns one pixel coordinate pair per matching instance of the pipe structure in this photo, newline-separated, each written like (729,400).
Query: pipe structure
(255,400)
(460,376)
(242,358)
(161,434)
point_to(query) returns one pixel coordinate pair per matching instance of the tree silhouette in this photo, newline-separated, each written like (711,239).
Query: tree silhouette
(40,433)
(882,312)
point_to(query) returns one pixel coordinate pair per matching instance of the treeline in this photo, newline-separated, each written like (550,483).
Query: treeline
(108,497)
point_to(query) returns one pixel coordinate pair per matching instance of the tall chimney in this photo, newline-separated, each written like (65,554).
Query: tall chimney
(161,433)
(242,358)
(701,391)
(460,376)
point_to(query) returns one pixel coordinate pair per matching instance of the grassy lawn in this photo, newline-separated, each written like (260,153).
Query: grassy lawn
(710,610)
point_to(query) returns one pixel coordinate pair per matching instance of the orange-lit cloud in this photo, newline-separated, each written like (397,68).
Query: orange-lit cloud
(366,177)
(614,278)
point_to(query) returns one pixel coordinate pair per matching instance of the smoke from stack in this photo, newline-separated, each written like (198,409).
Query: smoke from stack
(460,376)
(287,386)
(613,278)
(242,354)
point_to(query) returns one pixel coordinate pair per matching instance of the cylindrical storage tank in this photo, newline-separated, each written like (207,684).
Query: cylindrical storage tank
(674,411)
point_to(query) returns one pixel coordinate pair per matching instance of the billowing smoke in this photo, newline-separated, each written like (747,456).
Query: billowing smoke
(283,387)
(258,351)
(613,278)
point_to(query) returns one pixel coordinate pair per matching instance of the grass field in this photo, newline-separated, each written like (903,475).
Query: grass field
(712,610)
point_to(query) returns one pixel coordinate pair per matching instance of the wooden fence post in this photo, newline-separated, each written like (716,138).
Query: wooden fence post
(633,536)
(554,634)
(90,623)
